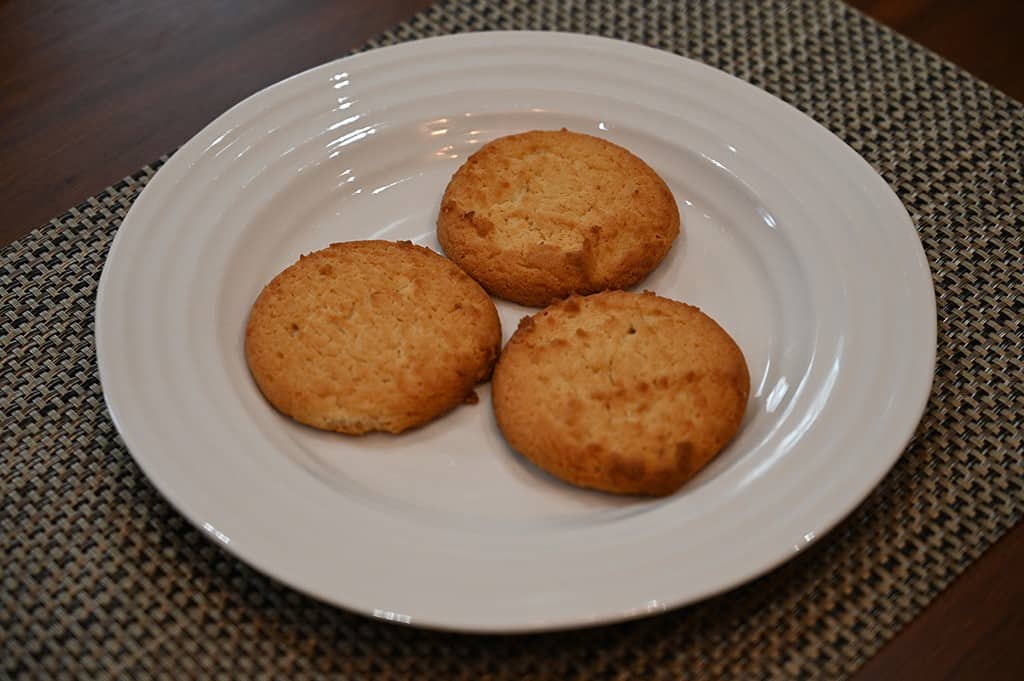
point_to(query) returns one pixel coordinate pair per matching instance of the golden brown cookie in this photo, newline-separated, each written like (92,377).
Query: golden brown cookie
(371,335)
(623,392)
(536,216)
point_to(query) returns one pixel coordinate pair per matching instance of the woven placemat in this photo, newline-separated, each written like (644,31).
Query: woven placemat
(101,578)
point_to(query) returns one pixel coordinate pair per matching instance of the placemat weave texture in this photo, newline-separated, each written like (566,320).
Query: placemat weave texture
(101,578)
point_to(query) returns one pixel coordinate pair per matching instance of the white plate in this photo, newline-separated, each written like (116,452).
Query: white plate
(790,240)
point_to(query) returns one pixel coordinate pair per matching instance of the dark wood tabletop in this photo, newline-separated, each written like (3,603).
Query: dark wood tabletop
(91,90)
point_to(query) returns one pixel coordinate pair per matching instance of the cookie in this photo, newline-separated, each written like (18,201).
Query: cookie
(371,336)
(623,392)
(536,216)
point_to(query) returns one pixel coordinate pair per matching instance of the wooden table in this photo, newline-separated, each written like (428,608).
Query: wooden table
(91,90)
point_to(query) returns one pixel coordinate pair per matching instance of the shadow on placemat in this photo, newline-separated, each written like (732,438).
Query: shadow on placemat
(102,578)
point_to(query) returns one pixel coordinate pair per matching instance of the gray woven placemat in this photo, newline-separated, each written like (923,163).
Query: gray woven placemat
(101,578)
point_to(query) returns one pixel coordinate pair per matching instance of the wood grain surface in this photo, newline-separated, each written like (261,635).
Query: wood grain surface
(91,90)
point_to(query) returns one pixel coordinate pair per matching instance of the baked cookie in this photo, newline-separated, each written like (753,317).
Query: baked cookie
(623,392)
(536,216)
(371,335)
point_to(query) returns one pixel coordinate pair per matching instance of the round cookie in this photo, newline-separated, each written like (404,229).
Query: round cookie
(536,216)
(371,335)
(622,392)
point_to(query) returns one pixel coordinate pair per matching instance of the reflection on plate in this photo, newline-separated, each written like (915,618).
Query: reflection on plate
(790,240)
